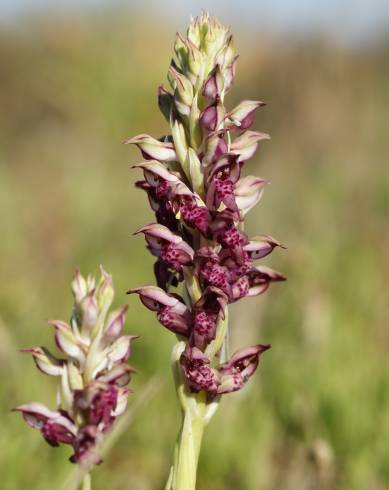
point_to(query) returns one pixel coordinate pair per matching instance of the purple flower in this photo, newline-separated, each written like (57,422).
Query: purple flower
(208,311)
(56,427)
(171,311)
(199,375)
(236,372)
(193,215)
(210,271)
(170,247)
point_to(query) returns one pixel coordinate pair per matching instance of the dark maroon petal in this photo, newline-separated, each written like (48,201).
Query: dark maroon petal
(56,434)
(195,216)
(240,288)
(224,193)
(237,262)
(97,401)
(221,191)
(230,236)
(165,276)
(216,275)
(174,322)
(208,311)
(198,373)
(86,447)
(102,407)
(204,329)
(175,256)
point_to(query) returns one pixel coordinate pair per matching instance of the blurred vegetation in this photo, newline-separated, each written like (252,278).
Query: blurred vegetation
(316,416)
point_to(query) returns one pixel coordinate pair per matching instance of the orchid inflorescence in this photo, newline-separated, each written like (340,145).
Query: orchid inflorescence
(193,179)
(93,373)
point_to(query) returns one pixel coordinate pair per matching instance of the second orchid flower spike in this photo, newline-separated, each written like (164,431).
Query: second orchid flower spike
(92,373)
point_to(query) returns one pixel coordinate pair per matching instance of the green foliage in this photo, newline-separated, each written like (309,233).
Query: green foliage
(317,413)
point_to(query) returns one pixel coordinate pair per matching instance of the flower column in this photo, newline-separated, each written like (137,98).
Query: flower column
(194,185)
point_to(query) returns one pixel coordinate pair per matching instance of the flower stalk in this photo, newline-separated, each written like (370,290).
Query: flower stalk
(200,199)
(87,482)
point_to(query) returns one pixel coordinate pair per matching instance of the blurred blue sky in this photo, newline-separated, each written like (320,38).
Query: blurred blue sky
(355,20)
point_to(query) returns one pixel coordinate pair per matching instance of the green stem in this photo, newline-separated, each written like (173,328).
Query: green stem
(187,450)
(87,482)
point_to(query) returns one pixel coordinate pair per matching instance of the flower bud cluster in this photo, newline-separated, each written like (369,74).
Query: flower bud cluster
(193,179)
(93,372)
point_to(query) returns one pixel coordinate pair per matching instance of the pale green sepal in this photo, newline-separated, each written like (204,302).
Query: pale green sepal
(195,171)
(195,132)
(180,144)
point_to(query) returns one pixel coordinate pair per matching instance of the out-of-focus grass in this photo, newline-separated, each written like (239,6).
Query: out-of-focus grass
(317,413)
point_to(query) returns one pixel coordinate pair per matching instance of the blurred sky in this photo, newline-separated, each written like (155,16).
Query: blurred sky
(350,20)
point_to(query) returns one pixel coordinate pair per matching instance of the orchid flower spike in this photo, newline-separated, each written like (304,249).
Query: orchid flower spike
(194,183)
(92,372)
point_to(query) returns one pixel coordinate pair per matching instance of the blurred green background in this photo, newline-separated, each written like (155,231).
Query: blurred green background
(73,85)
